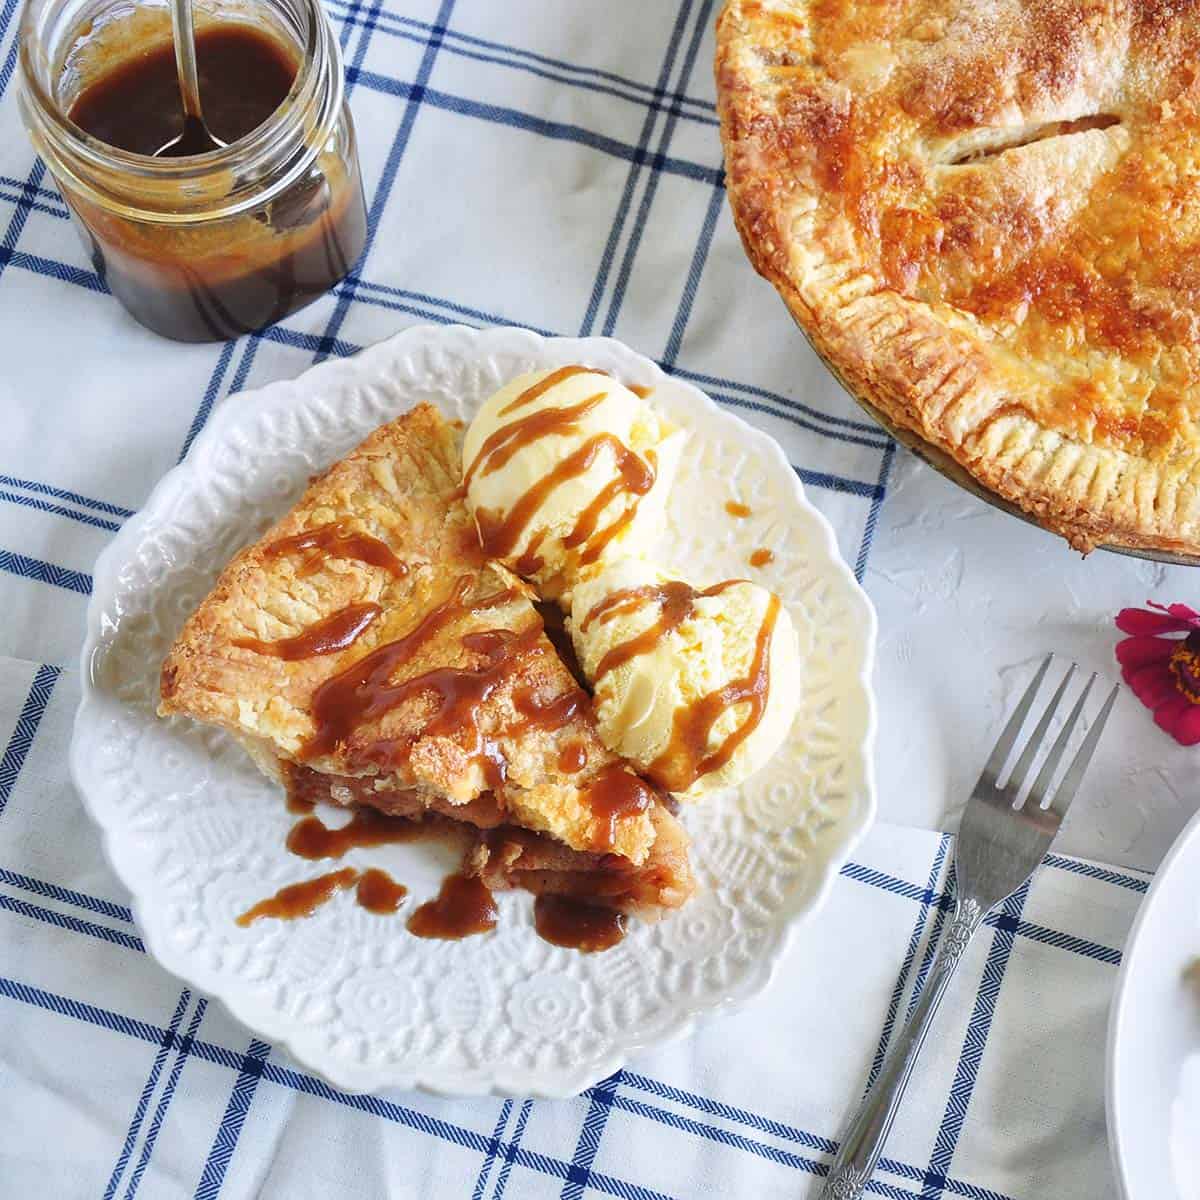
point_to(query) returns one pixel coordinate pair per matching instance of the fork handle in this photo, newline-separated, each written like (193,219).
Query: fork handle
(863,1142)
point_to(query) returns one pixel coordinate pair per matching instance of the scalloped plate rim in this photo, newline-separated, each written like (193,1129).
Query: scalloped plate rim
(804,903)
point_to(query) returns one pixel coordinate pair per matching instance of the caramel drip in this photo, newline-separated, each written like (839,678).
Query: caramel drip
(500,534)
(338,542)
(735,508)
(501,445)
(761,557)
(640,391)
(363,691)
(550,714)
(379,893)
(613,796)
(312,839)
(463,906)
(633,476)
(297,804)
(300,899)
(676,602)
(530,562)
(334,633)
(572,758)
(530,394)
(576,924)
(686,757)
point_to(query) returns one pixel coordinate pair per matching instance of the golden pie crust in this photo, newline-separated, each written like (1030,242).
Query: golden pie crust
(985,215)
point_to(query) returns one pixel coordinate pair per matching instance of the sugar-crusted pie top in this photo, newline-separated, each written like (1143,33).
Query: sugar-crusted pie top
(985,214)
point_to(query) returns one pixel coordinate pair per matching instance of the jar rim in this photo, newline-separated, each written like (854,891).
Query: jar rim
(320,58)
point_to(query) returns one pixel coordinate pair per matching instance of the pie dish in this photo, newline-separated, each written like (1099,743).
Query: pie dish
(197,833)
(982,216)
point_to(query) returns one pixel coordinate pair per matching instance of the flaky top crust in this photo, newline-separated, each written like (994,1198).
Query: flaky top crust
(983,213)
(402,487)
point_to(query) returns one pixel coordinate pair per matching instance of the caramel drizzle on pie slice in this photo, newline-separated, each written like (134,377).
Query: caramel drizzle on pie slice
(334,633)
(335,541)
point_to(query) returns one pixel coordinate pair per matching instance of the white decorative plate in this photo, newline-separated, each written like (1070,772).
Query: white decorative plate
(1154,1037)
(197,834)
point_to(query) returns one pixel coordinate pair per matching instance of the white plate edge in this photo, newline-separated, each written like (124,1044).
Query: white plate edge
(804,905)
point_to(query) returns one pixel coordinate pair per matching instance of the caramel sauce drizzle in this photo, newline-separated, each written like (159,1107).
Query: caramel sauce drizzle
(464,906)
(530,394)
(500,534)
(641,391)
(300,899)
(363,690)
(685,759)
(614,795)
(572,758)
(313,839)
(335,541)
(676,602)
(504,443)
(334,633)
(379,893)
(735,508)
(761,557)
(576,924)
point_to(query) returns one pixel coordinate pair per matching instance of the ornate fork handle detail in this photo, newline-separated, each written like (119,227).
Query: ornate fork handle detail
(864,1140)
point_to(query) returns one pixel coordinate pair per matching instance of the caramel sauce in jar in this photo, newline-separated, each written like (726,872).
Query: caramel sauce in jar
(201,247)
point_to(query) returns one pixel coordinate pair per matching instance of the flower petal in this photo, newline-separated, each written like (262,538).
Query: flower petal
(1184,613)
(1137,651)
(1152,684)
(1168,716)
(1186,726)
(1141,622)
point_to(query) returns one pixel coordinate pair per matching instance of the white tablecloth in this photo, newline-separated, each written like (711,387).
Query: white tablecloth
(556,167)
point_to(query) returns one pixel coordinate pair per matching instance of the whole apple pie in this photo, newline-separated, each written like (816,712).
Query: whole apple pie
(984,213)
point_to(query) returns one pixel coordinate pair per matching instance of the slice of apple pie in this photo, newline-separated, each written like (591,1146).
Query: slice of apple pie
(365,652)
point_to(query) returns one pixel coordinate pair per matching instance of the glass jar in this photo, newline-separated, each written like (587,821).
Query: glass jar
(209,246)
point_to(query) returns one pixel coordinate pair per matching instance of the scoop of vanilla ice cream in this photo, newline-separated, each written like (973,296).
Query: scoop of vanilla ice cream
(653,648)
(542,463)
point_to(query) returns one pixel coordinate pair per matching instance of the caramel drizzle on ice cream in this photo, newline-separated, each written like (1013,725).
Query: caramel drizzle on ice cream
(687,756)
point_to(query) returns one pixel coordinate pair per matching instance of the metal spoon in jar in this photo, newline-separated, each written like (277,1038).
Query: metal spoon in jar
(196,137)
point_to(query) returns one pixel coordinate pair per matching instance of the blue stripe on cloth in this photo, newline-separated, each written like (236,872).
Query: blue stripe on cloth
(510,1151)
(26,728)
(461,311)
(230,1128)
(864,549)
(453,40)
(974,1044)
(498,114)
(625,272)
(139,1112)
(714,381)
(910,955)
(600,1099)
(493,1149)
(836,483)
(75,924)
(608,254)
(414,94)
(208,399)
(53,269)
(497,59)
(691,285)
(52,891)
(58,510)
(22,197)
(164,1102)
(1091,871)
(44,572)
(16,223)
(81,1011)
(10,182)
(10,60)
(32,485)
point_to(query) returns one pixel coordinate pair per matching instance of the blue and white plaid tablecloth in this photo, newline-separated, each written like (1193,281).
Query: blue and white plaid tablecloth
(556,167)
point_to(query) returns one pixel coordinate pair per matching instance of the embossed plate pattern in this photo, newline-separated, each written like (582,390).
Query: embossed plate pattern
(197,835)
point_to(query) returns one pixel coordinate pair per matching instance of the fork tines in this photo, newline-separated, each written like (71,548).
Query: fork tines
(1039,793)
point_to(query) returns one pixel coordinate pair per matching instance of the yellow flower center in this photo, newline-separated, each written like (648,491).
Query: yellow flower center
(1185,668)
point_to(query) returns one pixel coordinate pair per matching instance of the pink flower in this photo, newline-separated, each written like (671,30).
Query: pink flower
(1164,672)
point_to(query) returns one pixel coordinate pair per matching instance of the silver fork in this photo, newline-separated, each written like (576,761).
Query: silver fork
(999,846)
